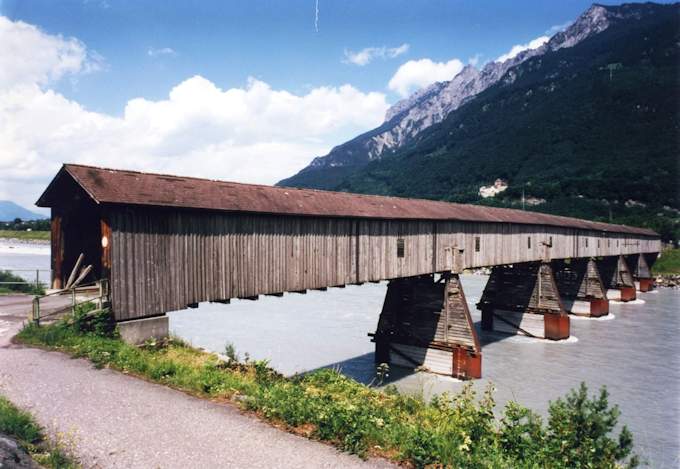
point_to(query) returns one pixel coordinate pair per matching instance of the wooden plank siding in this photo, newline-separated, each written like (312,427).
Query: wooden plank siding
(164,259)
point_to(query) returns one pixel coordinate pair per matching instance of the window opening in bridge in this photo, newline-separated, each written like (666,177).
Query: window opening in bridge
(477,242)
(550,242)
(609,243)
(400,247)
(598,243)
(617,243)
(586,242)
(529,242)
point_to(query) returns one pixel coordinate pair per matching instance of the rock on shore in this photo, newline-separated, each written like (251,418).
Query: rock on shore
(11,455)
(668,280)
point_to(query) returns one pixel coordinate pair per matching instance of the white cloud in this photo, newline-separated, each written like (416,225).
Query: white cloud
(163,51)
(557,28)
(416,74)
(475,60)
(29,55)
(367,55)
(252,133)
(516,49)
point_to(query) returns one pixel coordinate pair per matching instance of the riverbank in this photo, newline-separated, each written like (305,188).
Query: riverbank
(666,269)
(459,430)
(668,263)
(667,281)
(33,237)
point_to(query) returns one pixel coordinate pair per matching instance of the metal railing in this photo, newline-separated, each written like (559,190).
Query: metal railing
(93,292)
(27,276)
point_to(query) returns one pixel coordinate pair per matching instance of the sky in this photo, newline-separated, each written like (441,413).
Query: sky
(247,91)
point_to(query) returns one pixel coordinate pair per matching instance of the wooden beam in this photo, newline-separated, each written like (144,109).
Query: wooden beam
(82,276)
(74,272)
(57,238)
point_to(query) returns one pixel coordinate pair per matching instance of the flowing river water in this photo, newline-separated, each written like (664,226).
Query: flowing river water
(635,351)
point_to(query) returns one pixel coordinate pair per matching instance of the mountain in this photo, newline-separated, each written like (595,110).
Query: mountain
(9,211)
(587,125)
(408,117)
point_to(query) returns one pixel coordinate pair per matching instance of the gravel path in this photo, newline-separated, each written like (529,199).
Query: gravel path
(113,420)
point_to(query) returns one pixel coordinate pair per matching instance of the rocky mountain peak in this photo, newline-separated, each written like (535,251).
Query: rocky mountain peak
(431,105)
(594,20)
(407,103)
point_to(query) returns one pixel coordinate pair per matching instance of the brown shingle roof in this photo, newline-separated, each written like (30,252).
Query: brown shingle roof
(131,187)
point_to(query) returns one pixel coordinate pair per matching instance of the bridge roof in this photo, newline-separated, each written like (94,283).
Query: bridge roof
(112,186)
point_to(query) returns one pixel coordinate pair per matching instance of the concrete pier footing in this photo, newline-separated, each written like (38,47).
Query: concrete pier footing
(621,294)
(138,331)
(587,307)
(644,284)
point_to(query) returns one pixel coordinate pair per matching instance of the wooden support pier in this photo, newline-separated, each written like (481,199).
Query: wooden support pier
(617,278)
(426,323)
(524,299)
(640,265)
(580,286)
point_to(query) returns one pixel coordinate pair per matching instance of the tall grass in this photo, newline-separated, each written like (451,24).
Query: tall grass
(458,430)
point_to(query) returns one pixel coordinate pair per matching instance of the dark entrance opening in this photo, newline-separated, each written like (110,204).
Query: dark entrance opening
(81,233)
(76,229)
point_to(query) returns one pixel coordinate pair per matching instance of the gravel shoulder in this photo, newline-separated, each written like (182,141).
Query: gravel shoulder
(112,420)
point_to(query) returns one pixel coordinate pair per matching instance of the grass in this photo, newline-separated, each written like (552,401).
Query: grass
(21,426)
(668,263)
(458,430)
(25,235)
(28,288)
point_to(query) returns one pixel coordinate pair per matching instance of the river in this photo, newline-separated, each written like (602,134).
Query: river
(634,351)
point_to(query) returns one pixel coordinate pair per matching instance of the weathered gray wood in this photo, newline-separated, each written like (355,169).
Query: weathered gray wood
(74,272)
(82,276)
(164,259)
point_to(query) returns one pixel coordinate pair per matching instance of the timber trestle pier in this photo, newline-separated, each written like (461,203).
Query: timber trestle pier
(165,243)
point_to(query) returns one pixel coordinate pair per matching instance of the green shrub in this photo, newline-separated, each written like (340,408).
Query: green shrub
(87,319)
(578,431)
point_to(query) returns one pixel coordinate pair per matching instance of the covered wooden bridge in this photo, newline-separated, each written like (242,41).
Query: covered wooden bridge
(167,243)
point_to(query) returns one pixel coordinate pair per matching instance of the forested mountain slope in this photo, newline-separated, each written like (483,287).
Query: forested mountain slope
(593,129)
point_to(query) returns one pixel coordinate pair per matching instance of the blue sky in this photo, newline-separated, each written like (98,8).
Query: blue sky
(247,91)
(275,41)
